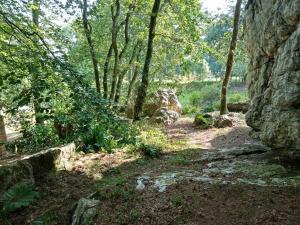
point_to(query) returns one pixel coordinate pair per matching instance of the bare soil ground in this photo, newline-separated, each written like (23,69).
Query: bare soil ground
(114,178)
(212,138)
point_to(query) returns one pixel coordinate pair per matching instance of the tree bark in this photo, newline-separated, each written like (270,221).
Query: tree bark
(88,34)
(105,72)
(3,137)
(123,73)
(134,77)
(229,65)
(142,91)
(115,12)
(35,69)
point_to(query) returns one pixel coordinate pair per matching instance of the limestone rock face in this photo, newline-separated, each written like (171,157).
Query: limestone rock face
(164,115)
(165,108)
(273,44)
(161,108)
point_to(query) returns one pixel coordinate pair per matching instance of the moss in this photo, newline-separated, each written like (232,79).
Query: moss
(264,170)
(202,122)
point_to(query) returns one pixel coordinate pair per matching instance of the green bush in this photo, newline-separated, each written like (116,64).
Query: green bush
(194,99)
(202,122)
(18,196)
(151,151)
(237,97)
(107,137)
(189,109)
(35,137)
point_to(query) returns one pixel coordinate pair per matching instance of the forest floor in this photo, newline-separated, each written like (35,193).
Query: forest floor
(193,184)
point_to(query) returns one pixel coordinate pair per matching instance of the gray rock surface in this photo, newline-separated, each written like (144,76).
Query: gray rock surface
(164,115)
(32,167)
(85,211)
(273,43)
(164,107)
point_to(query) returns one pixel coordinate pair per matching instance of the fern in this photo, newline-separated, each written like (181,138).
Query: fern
(18,196)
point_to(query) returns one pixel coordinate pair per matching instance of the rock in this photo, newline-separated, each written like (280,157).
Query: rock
(33,167)
(222,121)
(162,107)
(164,115)
(164,98)
(85,211)
(272,34)
(238,107)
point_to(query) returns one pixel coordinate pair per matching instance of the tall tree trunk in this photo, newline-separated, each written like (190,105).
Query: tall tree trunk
(3,137)
(134,77)
(88,34)
(229,65)
(35,69)
(123,73)
(142,91)
(115,12)
(105,72)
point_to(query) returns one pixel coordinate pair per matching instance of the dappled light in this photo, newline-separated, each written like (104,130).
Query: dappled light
(149,112)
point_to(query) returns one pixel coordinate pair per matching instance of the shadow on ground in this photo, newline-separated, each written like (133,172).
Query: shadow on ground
(185,202)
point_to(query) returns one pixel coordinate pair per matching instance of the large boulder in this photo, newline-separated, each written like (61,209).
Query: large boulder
(272,34)
(164,115)
(165,107)
(162,107)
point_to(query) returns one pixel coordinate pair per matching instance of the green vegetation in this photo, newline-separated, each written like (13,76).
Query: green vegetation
(202,122)
(18,196)
(205,96)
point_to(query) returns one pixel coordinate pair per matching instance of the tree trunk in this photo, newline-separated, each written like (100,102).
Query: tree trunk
(134,77)
(88,34)
(229,65)
(3,137)
(35,70)
(115,14)
(122,53)
(142,91)
(123,73)
(105,72)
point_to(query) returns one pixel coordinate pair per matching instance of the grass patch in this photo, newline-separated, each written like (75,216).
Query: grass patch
(205,96)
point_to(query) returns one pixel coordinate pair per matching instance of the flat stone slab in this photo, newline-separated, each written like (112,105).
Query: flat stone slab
(248,164)
(32,167)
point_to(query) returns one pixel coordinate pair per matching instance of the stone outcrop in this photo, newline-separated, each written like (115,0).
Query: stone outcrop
(273,43)
(85,211)
(33,167)
(162,107)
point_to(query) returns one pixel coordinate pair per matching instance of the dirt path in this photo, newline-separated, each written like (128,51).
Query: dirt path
(212,138)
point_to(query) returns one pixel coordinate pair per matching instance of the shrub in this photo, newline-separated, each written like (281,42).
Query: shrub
(151,151)
(189,109)
(237,97)
(18,196)
(35,137)
(194,98)
(107,136)
(202,122)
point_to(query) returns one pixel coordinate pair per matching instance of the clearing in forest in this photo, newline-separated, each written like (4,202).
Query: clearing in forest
(193,183)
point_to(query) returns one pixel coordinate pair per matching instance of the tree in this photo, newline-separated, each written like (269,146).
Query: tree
(2,134)
(142,92)
(229,65)
(88,34)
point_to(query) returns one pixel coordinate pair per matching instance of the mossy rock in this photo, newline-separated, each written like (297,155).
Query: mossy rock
(202,122)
